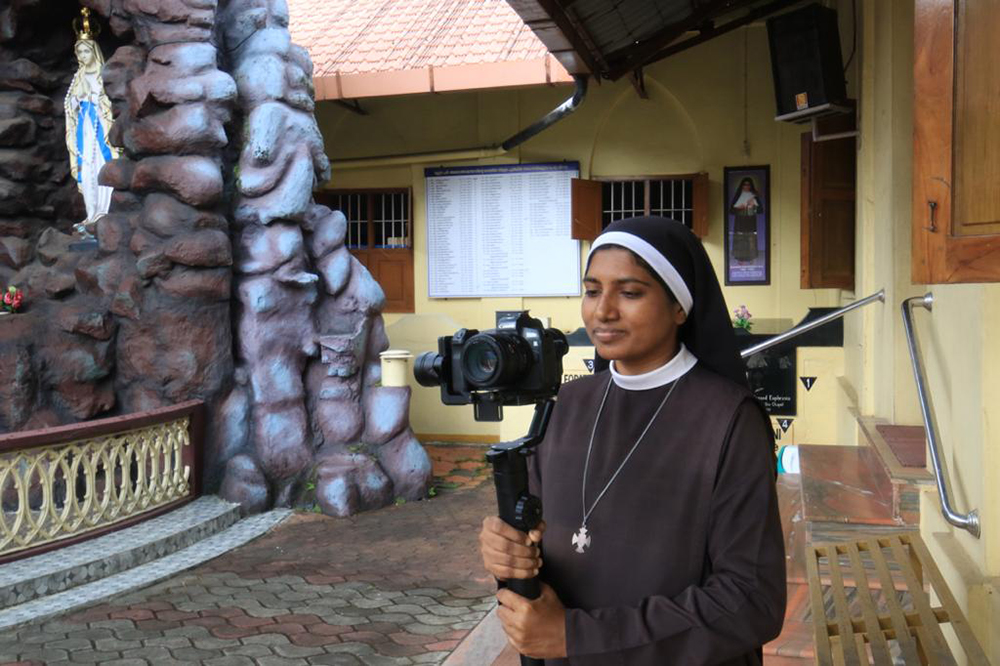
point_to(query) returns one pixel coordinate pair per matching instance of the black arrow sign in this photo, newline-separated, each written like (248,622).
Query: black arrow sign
(808,382)
(785,424)
(589,362)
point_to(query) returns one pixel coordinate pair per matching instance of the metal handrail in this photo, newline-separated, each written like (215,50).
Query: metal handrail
(808,326)
(967,521)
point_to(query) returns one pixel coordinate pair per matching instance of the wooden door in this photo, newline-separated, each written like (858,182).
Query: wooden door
(828,213)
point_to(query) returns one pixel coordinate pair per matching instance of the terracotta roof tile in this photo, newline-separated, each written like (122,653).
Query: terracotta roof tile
(368,36)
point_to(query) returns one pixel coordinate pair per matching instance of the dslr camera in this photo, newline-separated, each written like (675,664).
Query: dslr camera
(517,363)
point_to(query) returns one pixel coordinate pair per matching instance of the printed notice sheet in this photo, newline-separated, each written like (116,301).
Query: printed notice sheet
(501,230)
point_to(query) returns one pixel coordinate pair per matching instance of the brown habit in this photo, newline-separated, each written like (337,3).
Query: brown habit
(686,564)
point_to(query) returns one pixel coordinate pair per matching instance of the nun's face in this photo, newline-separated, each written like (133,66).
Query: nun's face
(629,317)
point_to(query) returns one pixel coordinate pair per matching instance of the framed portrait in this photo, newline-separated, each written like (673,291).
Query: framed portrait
(747,209)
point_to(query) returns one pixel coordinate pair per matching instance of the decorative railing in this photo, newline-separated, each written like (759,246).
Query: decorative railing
(69,483)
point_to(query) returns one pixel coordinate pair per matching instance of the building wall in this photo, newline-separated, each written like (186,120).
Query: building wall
(961,358)
(699,103)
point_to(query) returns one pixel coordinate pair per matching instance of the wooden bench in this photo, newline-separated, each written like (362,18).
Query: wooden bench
(869,604)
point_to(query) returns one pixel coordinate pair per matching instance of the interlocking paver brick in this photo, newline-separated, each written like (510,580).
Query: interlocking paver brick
(315,640)
(381,660)
(115,644)
(396,650)
(89,657)
(297,651)
(156,655)
(191,655)
(249,651)
(232,660)
(266,639)
(335,660)
(169,642)
(275,660)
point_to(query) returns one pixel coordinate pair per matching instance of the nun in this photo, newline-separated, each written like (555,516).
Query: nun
(661,542)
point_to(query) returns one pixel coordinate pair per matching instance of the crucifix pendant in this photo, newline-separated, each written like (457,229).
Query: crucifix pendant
(581,539)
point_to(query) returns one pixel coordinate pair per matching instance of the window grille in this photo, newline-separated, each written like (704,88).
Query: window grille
(355,209)
(391,220)
(375,219)
(672,198)
(667,197)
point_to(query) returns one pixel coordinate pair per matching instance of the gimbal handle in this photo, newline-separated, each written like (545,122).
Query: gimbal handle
(517,507)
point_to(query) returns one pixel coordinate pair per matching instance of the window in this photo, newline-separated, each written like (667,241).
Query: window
(599,202)
(379,235)
(666,197)
(956,169)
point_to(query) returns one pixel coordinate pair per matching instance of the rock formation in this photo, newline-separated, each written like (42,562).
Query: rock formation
(308,328)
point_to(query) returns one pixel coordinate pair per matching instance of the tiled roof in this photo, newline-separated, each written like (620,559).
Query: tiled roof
(405,46)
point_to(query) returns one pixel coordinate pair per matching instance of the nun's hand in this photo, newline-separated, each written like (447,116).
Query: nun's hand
(509,553)
(535,628)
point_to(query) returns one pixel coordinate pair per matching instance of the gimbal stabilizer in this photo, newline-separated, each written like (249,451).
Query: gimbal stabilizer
(518,507)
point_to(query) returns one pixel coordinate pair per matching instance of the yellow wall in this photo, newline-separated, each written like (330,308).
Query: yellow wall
(693,121)
(958,338)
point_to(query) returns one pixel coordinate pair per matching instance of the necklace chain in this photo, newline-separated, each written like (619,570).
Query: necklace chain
(590,447)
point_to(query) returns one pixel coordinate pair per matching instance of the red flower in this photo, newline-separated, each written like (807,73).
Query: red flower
(7,298)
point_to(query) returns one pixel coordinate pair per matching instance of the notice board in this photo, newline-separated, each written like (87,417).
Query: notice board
(501,230)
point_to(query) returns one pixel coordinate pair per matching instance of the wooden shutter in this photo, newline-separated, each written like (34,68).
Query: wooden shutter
(956,130)
(393,269)
(699,205)
(828,173)
(586,209)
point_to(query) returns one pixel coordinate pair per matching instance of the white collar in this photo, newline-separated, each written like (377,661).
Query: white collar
(670,371)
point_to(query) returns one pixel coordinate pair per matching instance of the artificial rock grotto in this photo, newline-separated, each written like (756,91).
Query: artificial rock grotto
(215,275)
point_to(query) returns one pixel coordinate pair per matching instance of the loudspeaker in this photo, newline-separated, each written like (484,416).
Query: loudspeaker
(806,61)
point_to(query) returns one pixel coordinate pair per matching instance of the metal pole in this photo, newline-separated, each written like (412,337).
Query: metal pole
(967,521)
(808,326)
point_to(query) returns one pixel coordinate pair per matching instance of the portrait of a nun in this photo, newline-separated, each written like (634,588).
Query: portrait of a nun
(745,207)
(661,542)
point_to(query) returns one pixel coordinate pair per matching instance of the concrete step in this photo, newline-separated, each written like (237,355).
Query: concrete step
(847,485)
(131,558)
(902,452)
(81,563)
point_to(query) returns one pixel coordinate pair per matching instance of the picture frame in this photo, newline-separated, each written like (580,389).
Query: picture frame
(747,215)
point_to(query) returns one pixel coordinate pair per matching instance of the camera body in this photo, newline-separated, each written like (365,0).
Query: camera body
(517,363)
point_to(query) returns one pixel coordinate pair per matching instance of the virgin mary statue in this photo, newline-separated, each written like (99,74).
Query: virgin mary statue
(88,119)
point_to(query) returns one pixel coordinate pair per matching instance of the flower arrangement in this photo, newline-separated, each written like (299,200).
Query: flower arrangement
(13,298)
(742,319)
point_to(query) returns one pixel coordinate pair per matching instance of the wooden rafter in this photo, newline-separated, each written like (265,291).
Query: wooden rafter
(575,33)
(713,32)
(627,59)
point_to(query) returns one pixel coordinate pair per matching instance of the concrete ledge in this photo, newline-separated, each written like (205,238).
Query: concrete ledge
(65,568)
(482,646)
(146,574)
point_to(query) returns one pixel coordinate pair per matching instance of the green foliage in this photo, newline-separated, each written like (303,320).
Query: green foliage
(400,501)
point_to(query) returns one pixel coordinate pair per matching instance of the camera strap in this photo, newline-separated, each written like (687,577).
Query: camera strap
(582,539)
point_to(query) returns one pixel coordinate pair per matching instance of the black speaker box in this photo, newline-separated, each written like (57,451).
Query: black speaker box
(806,62)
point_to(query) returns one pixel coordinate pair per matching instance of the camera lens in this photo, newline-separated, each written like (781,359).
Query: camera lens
(427,369)
(495,360)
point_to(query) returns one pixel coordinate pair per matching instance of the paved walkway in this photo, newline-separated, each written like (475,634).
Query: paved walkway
(402,585)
